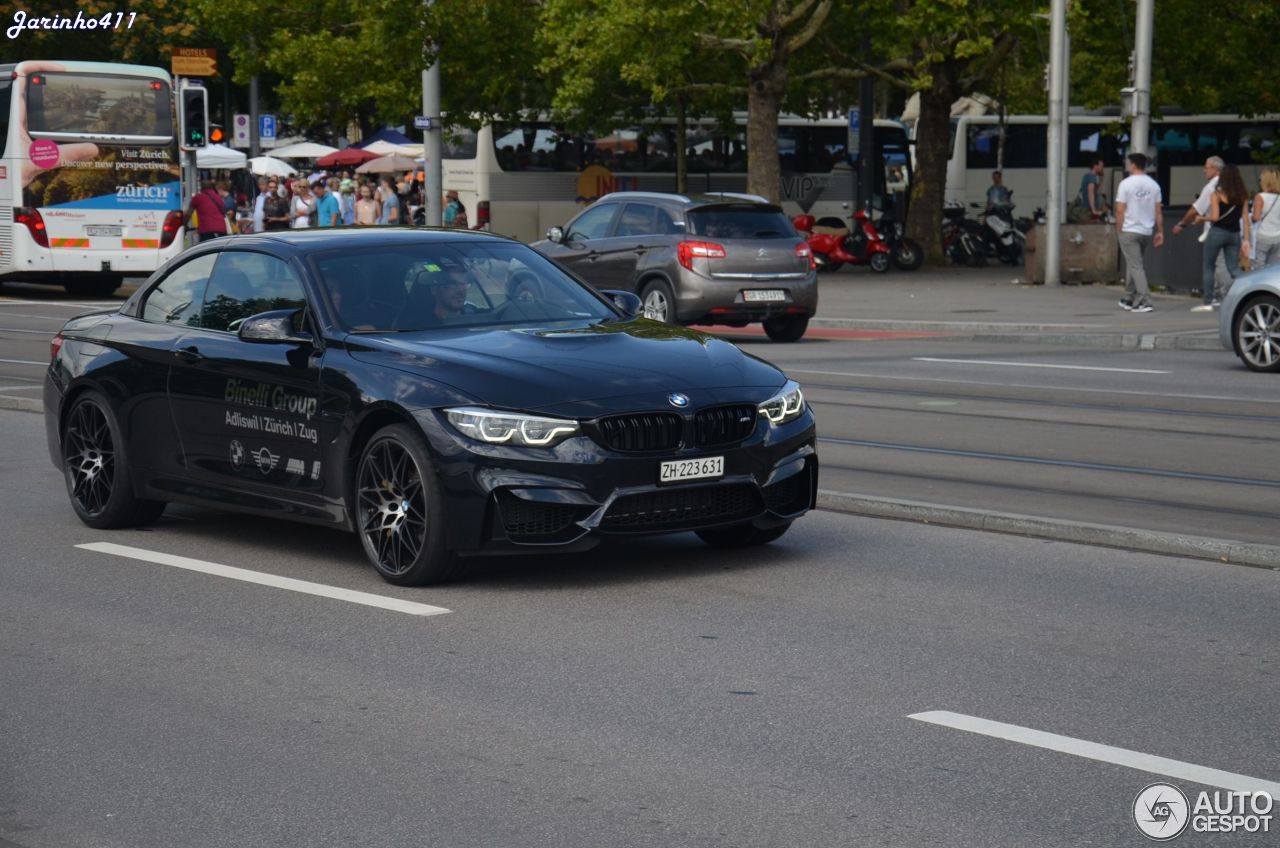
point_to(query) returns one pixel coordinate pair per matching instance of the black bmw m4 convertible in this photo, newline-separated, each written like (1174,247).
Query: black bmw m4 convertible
(441,393)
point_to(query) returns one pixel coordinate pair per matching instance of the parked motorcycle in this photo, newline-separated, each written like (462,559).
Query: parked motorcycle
(906,253)
(963,241)
(1004,239)
(835,244)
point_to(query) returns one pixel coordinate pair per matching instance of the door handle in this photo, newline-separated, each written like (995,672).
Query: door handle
(592,256)
(190,353)
(640,250)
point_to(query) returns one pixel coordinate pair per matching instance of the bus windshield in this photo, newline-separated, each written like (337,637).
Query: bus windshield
(71,105)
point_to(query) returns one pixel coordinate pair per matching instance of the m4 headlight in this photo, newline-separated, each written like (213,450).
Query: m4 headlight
(495,427)
(787,405)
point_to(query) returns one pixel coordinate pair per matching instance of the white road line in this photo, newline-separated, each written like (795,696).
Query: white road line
(1035,365)
(49,333)
(1085,389)
(19,388)
(24,362)
(1101,753)
(303,586)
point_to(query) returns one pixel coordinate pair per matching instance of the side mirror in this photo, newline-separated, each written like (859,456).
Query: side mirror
(555,235)
(277,326)
(629,304)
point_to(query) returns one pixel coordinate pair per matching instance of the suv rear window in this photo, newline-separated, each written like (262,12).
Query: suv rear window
(745,222)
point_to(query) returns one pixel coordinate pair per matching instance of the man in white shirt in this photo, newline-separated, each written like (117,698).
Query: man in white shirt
(1212,168)
(1140,225)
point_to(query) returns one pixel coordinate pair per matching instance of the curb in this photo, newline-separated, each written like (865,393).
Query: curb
(1013,333)
(1103,535)
(21,404)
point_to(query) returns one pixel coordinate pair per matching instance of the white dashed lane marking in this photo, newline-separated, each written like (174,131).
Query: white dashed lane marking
(258,577)
(1102,753)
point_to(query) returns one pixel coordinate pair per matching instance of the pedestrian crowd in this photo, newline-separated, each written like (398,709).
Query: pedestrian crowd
(327,201)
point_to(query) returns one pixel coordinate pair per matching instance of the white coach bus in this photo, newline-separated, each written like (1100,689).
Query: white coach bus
(90,179)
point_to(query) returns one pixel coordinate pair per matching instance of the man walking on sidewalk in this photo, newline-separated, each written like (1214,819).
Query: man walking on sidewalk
(1139,215)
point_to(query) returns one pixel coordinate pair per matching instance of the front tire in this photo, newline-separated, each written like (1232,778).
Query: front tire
(879,262)
(907,255)
(97,471)
(399,511)
(741,535)
(788,328)
(659,303)
(1256,334)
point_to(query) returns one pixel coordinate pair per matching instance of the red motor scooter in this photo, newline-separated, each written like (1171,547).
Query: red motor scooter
(834,244)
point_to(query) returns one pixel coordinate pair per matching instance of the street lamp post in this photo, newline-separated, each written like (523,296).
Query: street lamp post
(1056,142)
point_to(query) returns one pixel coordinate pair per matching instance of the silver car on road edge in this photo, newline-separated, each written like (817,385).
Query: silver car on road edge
(1249,321)
(725,258)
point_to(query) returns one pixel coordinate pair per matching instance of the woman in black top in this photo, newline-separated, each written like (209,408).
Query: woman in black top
(1229,200)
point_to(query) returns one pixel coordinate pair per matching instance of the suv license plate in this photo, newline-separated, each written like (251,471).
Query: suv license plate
(758,295)
(104,231)
(690,469)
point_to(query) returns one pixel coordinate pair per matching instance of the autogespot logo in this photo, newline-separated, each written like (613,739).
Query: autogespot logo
(1161,812)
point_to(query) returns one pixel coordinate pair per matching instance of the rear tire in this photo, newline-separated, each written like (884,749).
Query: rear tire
(96,469)
(93,286)
(399,511)
(879,262)
(741,535)
(659,303)
(789,328)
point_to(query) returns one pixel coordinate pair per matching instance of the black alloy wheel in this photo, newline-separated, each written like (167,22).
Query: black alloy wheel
(879,262)
(398,510)
(741,535)
(907,255)
(95,469)
(1257,334)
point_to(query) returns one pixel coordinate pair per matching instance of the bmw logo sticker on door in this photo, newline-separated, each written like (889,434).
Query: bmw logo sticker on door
(678,400)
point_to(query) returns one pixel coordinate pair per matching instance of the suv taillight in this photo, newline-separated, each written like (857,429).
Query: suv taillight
(31,219)
(482,215)
(803,251)
(687,250)
(55,345)
(172,223)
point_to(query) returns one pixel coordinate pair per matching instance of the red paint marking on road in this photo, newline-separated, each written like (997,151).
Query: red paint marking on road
(820,333)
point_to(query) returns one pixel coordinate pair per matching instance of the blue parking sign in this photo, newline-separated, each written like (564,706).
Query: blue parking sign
(266,126)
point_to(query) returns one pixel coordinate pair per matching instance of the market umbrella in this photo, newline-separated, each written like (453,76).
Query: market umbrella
(219,156)
(345,157)
(382,148)
(268,166)
(303,150)
(386,165)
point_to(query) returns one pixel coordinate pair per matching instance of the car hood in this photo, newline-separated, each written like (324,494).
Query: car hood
(579,370)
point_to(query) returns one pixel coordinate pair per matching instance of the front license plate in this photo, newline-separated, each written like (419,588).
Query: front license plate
(765,295)
(691,469)
(104,231)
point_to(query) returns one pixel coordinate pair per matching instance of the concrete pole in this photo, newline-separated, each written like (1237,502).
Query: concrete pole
(1057,112)
(253,116)
(1064,187)
(433,182)
(1142,76)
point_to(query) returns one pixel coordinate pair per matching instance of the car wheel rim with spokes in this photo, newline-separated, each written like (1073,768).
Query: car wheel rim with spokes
(393,508)
(1260,335)
(90,457)
(655,306)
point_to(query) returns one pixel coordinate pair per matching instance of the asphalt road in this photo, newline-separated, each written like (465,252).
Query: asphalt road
(658,693)
(1168,441)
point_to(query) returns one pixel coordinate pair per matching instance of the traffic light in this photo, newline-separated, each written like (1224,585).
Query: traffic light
(216,135)
(193,118)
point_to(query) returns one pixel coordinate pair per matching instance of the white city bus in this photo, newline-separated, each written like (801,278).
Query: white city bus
(1181,144)
(90,179)
(522,178)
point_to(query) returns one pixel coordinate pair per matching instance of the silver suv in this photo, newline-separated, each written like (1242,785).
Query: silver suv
(730,259)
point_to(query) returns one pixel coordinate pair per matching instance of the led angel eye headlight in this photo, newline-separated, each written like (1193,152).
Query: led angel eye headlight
(784,406)
(510,428)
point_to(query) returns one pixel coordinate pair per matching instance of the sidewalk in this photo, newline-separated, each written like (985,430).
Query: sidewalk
(991,304)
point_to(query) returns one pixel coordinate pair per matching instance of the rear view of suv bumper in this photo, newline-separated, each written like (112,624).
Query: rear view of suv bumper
(700,300)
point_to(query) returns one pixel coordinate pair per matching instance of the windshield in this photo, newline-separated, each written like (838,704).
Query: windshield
(411,287)
(745,222)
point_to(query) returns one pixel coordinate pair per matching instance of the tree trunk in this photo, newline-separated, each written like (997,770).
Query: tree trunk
(933,134)
(764,102)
